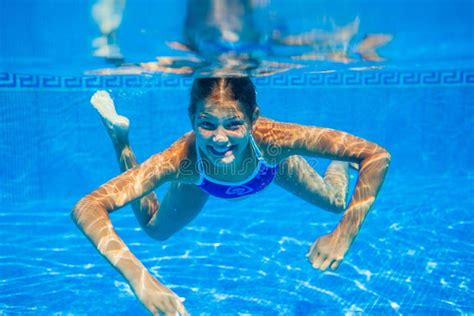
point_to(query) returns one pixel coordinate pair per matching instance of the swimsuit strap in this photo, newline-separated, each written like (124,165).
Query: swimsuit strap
(199,162)
(257,151)
(259,154)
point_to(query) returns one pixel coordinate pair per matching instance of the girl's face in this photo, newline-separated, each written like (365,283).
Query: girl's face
(222,131)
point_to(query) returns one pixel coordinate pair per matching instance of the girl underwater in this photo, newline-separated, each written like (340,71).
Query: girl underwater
(230,153)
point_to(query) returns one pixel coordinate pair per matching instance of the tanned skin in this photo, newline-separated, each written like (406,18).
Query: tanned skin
(281,143)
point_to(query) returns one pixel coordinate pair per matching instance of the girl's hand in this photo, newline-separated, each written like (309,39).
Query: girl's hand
(328,251)
(157,298)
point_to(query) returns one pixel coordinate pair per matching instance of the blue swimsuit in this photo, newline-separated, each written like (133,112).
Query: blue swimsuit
(262,176)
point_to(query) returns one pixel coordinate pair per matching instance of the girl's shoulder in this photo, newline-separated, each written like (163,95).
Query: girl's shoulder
(273,136)
(268,130)
(271,131)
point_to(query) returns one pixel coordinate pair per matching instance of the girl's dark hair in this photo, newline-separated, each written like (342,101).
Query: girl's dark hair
(221,90)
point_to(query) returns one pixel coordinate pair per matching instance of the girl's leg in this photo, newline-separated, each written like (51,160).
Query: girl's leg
(159,221)
(329,192)
(181,204)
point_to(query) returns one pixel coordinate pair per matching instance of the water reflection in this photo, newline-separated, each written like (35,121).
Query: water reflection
(228,38)
(108,16)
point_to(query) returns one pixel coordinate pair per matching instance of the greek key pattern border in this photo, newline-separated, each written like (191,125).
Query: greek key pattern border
(334,79)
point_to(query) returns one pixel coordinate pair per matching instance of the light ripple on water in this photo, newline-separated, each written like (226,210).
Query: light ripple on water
(391,268)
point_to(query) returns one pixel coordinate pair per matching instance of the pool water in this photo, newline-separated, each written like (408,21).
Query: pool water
(414,254)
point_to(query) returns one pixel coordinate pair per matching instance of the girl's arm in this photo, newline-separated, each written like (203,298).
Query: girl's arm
(373,162)
(91,215)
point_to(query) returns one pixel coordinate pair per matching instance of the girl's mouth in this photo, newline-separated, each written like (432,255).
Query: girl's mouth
(221,152)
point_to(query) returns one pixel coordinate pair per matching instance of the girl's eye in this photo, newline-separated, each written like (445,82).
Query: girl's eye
(234,125)
(206,125)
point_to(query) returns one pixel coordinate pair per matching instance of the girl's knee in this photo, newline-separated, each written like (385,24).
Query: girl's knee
(158,234)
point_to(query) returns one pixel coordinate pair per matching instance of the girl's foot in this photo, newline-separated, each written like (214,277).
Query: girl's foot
(117,125)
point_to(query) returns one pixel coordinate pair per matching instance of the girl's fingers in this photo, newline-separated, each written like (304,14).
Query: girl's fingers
(313,256)
(335,264)
(326,264)
(318,261)
(181,310)
(312,248)
(313,251)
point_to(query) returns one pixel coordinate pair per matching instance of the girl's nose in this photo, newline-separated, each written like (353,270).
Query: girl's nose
(220,136)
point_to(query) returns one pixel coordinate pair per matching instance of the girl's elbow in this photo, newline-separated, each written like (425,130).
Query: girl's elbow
(84,210)
(383,155)
(76,213)
(387,157)
(73,215)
